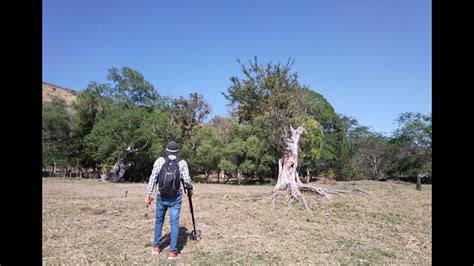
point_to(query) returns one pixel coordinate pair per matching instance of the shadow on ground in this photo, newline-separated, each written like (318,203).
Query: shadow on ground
(182,239)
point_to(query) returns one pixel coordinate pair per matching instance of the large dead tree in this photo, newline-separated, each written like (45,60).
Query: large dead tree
(288,179)
(118,170)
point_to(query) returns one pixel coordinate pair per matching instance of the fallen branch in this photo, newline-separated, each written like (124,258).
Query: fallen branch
(336,191)
(363,191)
(321,191)
(242,236)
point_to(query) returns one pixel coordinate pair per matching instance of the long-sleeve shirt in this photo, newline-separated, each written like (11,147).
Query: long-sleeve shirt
(183,171)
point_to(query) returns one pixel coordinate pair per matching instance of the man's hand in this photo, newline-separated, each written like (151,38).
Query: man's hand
(189,188)
(148,200)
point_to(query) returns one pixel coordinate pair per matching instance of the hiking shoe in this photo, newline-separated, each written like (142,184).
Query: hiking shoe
(155,250)
(172,256)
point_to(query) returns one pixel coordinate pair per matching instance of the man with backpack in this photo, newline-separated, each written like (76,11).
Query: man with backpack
(168,171)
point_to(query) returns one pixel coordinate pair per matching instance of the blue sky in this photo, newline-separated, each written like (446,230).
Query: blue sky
(371,59)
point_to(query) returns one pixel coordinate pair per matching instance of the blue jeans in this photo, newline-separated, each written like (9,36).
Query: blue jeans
(162,204)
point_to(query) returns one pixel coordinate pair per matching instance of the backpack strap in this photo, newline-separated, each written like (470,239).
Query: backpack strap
(177,162)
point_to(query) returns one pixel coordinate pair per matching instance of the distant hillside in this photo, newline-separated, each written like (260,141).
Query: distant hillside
(50,90)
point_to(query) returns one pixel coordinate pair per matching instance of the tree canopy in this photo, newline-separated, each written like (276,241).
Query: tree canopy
(128,113)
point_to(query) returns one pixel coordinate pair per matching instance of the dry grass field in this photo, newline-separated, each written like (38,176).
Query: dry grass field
(92,222)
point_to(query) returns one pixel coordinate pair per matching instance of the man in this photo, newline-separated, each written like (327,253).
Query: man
(172,202)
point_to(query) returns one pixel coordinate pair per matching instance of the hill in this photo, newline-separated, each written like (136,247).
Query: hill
(51,90)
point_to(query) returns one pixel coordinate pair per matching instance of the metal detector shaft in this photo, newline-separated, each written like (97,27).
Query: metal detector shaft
(190,204)
(192,211)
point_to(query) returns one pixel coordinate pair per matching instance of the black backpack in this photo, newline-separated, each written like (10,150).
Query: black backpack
(169,178)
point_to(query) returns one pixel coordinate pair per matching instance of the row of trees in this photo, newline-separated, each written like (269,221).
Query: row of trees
(127,120)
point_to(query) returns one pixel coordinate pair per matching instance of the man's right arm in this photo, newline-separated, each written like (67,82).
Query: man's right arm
(154,174)
(152,181)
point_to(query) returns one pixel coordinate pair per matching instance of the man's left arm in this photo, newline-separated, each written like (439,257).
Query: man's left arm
(184,172)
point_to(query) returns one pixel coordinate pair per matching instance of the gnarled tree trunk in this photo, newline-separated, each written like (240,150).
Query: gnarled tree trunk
(288,179)
(118,170)
(238,174)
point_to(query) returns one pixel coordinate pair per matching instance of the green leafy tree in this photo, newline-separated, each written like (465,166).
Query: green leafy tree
(208,149)
(264,92)
(56,130)
(186,114)
(228,167)
(129,87)
(123,128)
(370,156)
(270,98)
(88,106)
(412,146)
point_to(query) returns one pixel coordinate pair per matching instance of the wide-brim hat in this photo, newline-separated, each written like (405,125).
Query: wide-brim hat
(172,147)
